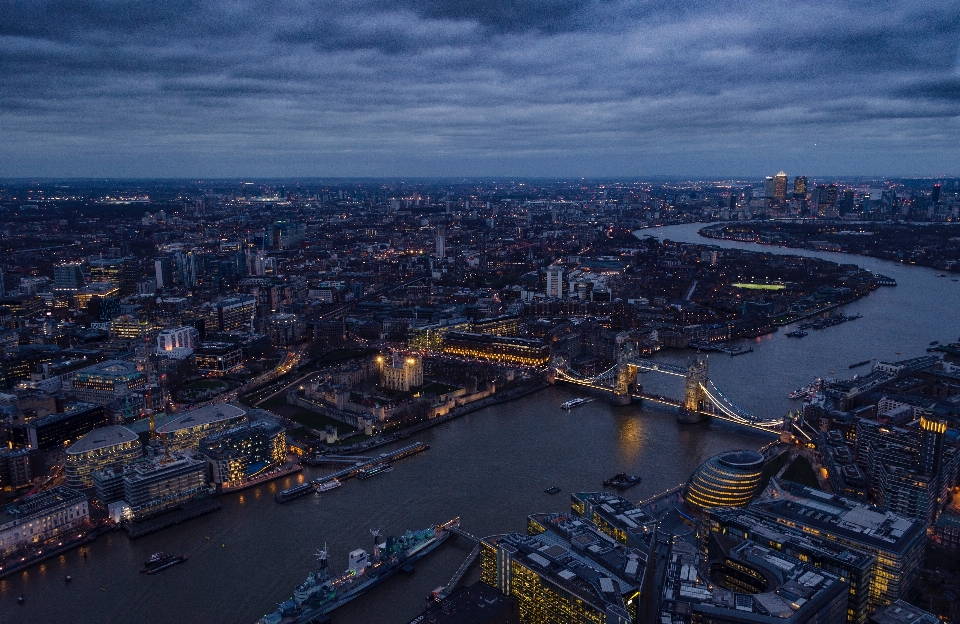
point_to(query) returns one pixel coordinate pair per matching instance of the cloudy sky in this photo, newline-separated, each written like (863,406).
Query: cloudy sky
(199,88)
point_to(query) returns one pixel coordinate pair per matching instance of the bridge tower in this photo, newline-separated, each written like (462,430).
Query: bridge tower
(694,398)
(626,377)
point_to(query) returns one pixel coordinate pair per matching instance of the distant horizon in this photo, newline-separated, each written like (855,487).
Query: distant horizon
(253,179)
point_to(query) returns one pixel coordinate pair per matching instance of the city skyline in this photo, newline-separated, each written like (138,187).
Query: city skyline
(558,89)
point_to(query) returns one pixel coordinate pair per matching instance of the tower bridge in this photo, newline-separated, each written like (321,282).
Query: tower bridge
(701,397)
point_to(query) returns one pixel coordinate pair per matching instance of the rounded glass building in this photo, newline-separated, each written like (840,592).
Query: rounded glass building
(729,479)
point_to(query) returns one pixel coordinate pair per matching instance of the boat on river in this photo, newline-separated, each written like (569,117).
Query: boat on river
(321,593)
(161,561)
(575,403)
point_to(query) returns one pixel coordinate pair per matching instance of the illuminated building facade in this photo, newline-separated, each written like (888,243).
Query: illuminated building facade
(105,382)
(400,372)
(186,430)
(800,187)
(555,282)
(130,328)
(48,515)
(106,270)
(498,326)
(729,479)
(218,357)
(780,186)
(99,449)
(896,542)
(67,278)
(856,567)
(499,349)
(237,454)
(155,485)
(184,337)
(615,516)
(565,570)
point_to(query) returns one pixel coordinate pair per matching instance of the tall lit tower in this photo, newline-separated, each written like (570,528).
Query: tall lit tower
(931,444)
(555,282)
(780,187)
(800,186)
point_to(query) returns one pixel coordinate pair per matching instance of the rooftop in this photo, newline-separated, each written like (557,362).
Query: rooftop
(203,416)
(102,438)
(840,516)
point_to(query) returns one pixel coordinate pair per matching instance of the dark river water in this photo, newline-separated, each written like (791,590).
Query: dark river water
(490,468)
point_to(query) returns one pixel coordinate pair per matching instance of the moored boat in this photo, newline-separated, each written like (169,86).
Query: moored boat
(321,593)
(161,561)
(326,486)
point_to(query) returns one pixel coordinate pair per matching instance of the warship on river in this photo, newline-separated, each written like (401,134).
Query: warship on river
(320,593)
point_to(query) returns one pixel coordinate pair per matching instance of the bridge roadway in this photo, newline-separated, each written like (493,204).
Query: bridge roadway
(723,407)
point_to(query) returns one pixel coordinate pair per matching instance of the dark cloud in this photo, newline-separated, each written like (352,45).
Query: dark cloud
(225,87)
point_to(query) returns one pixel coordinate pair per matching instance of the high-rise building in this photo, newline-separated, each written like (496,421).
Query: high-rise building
(555,282)
(106,270)
(932,431)
(800,187)
(728,527)
(847,202)
(163,271)
(825,200)
(130,274)
(769,188)
(935,195)
(780,187)
(67,278)
(896,542)
(441,242)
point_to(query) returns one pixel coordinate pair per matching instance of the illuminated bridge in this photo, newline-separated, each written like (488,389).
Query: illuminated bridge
(701,396)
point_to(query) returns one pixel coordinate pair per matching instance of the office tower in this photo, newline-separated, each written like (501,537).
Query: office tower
(935,195)
(896,542)
(780,187)
(932,431)
(769,188)
(102,270)
(728,527)
(565,570)
(163,272)
(555,282)
(825,200)
(846,203)
(67,277)
(800,186)
(441,242)
(130,274)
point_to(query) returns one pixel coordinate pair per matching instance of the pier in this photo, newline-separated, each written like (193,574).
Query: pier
(353,470)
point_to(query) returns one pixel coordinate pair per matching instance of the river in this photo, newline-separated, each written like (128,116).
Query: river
(489,467)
